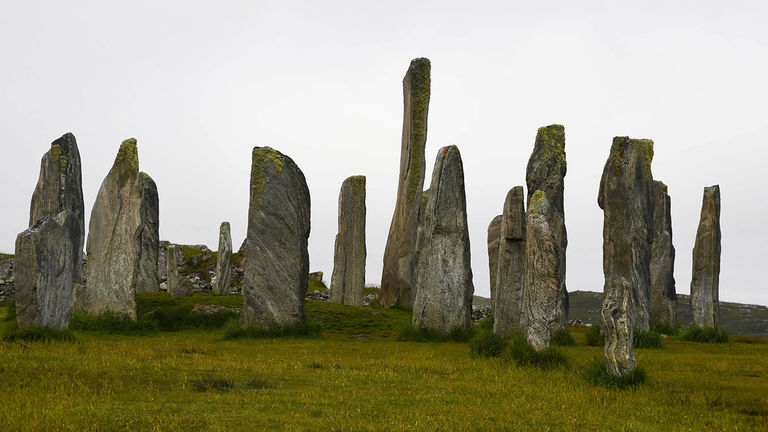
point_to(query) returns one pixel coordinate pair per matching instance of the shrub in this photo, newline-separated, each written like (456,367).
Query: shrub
(649,339)
(409,333)
(594,336)
(523,354)
(307,329)
(562,338)
(597,374)
(704,335)
(487,344)
(42,334)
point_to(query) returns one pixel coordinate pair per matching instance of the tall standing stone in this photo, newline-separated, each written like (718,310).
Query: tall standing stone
(46,258)
(146,279)
(510,277)
(277,264)
(113,244)
(224,260)
(663,295)
(546,172)
(348,278)
(174,284)
(705,282)
(59,188)
(444,291)
(494,238)
(627,202)
(397,277)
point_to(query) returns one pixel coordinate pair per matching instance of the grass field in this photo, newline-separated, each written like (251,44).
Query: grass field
(358,376)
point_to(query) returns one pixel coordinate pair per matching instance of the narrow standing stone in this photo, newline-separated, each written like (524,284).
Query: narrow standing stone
(59,188)
(510,277)
(494,238)
(146,278)
(113,246)
(348,278)
(46,258)
(444,291)
(176,288)
(626,199)
(663,295)
(277,264)
(705,282)
(397,277)
(224,260)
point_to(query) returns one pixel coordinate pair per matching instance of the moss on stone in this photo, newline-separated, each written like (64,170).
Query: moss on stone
(663,186)
(127,160)
(551,142)
(419,79)
(537,198)
(58,157)
(358,184)
(646,147)
(259,158)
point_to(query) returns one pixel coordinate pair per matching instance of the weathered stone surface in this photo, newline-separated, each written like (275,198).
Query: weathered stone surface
(317,276)
(705,281)
(60,188)
(146,278)
(277,264)
(397,277)
(224,260)
(494,238)
(46,259)
(663,295)
(175,285)
(546,309)
(626,199)
(444,291)
(113,246)
(510,277)
(348,278)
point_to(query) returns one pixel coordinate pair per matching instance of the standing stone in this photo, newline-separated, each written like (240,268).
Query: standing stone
(59,188)
(494,238)
(277,264)
(510,277)
(113,244)
(663,295)
(545,306)
(224,260)
(146,278)
(174,285)
(348,278)
(444,292)
(546,172)
(626,199)
(705,282)
(397,277)
(46,259)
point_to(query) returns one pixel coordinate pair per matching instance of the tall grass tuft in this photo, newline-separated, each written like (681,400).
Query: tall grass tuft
(486,343)
(594,336)
(562,338)
(42,334)
(307,329)
(523,354)
(598,375)
(649,339)
(110,322)
(704,335)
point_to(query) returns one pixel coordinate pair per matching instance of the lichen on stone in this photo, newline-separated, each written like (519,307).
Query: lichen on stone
(57,156)
(259,158)
(551,140)
(663,187)
(537,198)
(646,146)
(143,177)
(358,184)
(420,82)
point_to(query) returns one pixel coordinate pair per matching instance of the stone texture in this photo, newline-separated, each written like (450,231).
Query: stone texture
(546,309)
(277,264)
(113,244)
(348,277)
(626,199)
(146,278)
(663,295)
(705,281)
(224,261)
(397,277)
(46,258)
(175,286)
(510,278)
(60,188)
(494,238)
(444,292)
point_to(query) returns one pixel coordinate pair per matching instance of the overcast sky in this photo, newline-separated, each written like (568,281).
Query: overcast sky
(199,84)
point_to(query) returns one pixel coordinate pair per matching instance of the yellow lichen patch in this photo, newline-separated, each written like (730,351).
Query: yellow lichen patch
(537,198)
(551,140)
(259,158)
(358,184)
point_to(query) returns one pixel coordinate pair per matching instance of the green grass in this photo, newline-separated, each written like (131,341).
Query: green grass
(562,338)
(704,335)
(43,334)
(408,333)
(593,336)
(309,329)
(486,343)
(649,339)
(362,378)
(598,375)
(522,353)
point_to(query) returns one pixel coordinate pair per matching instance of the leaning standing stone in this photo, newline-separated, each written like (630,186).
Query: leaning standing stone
(545,306)
(147,268)
(626,199)
(277,264)
(705,282)
(224,260)
(510,277)
(397,277)
(113,246)
(663,295)
(443,300)
(46,258)
(174,284)
(348,278)
(60,188)
(494,238)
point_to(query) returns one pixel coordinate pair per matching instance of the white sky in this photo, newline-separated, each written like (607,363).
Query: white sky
(199,84)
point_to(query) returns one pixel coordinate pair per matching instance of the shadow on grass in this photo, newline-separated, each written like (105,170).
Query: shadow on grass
(308,329)
(42,334)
